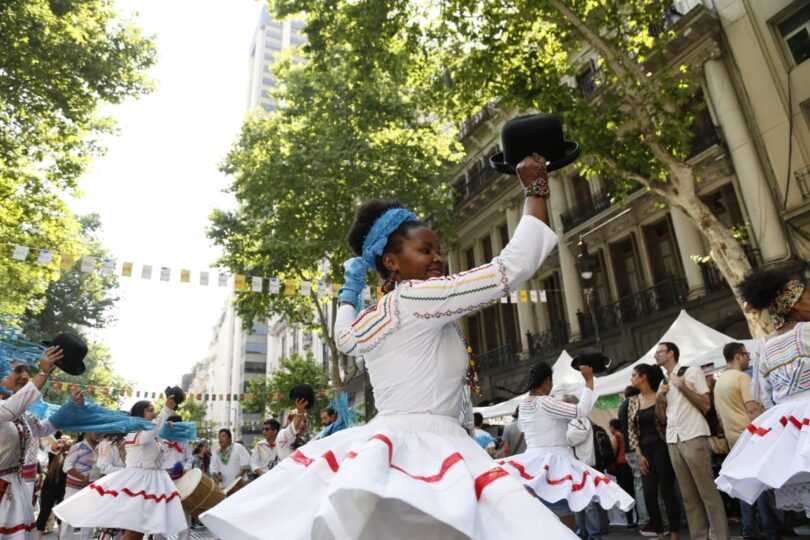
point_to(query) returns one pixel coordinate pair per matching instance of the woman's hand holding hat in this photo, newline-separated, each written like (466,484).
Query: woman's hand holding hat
(49,358)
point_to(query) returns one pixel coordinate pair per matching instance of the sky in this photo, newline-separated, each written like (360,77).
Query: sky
(159,181)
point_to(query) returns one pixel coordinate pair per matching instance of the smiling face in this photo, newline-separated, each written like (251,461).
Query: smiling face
(17,378)
(419,256)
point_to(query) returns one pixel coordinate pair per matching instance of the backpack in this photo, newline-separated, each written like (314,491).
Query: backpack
(602,449)
(711,416)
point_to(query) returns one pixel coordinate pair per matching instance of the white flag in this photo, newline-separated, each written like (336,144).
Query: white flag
(165,273)
(204,279)
(513,296)
(146,271)
(20,253)
(45,257)
(543,296)
(306,288)
(88,263)
(256,283)
(107,265)
(323,289)
(275,286)
(223,280)
(533,296)
(504,299)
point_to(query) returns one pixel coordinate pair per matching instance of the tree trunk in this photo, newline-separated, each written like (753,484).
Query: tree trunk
(725,250)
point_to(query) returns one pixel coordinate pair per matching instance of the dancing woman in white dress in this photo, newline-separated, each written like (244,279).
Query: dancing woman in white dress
(413,471)
(548,466)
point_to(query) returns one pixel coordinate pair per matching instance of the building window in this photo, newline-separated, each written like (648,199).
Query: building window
(284,351)
(589,79)
(469,258)
(723,204)
(503,232)
(665,261)
(255,367)
(486,244)
(256,347)
(581,188)
(269,107)
(626,267)
(259,329)
(795,31)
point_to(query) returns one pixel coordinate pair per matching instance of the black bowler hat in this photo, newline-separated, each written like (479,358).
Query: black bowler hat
(593,358)
(525,135)
(176,392)
(303,391)
(74,349)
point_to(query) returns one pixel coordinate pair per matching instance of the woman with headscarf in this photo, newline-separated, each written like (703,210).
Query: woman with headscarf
(413,471)
(774,452)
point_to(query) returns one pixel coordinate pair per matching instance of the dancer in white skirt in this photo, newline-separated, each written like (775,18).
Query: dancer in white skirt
(548,465)
(774,452)
(17,518)
(141,498)
(413,471)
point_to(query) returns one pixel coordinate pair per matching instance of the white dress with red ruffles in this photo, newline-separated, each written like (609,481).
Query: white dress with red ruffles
(140,497)
(413,471)
(17,518)
(774,452)
(549,467)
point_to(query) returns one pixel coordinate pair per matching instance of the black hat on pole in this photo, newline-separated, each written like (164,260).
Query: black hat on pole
(303,391)
(74,349)
(594,358)
(534,133)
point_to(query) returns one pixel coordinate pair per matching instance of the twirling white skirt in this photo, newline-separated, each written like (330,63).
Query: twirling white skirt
(144,500)
(400,476)
(773,453)
(17,519)
(554,474)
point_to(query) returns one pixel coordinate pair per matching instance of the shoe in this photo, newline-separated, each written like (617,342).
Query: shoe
(632,525)
(647,530)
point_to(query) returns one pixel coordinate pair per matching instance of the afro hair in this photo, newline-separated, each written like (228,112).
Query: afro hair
(760,288)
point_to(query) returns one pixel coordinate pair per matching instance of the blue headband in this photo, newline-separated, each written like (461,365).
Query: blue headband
(377,237)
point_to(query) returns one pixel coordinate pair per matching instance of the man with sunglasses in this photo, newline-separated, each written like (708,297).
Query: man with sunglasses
(264,456)
(737,408)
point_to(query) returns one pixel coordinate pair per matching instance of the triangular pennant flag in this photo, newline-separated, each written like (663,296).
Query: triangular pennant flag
(256,283)
(306,288)
(126,269)
(146,271)
(543,296)
(88,263)
(45,257)
(185,276)
(20,253)
(513,297)
(204,279)
(289,287)
(165,273)
(524,296)
(533,296)
(222,280)
(67,261)
(239,282)
(504,299)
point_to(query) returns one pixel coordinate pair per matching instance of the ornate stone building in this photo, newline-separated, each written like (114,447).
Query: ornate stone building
(753,136)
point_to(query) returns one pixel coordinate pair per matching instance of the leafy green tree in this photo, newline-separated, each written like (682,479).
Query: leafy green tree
(292,370)
(523,54)
(299,172)
(60,61)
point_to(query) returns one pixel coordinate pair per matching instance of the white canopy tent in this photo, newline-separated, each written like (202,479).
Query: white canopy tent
(698,343)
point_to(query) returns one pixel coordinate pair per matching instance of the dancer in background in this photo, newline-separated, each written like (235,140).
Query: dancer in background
(141,499)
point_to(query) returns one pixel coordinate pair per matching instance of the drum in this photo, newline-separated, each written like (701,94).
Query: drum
(235,486)
(198,492)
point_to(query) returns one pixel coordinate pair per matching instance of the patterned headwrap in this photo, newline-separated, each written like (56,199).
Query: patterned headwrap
(377,237)
(788,296)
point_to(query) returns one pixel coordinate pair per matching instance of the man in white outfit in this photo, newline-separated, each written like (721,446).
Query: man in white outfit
(264,456)
(80,467)
(230,462)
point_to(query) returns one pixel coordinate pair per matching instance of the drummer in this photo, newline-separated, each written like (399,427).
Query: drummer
(264,456)
(230,462)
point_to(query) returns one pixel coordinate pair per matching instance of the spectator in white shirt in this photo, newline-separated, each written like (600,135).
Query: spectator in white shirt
(264,456)
(230,462)
(294,433)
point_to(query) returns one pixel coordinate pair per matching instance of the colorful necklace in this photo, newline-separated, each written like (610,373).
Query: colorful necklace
(471,379)
(225,456)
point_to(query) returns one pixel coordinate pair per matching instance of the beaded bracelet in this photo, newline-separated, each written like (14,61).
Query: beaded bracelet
(539,186)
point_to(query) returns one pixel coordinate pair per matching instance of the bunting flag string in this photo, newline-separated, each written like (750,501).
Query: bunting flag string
(239,282)
(145,394)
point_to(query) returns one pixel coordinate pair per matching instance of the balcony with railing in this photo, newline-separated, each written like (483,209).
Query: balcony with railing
(500,357)
(597,203)
(550,340)
(588,82)
(473,183)
(661,296)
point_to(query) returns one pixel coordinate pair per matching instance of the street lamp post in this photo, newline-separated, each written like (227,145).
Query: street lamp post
(585,264)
